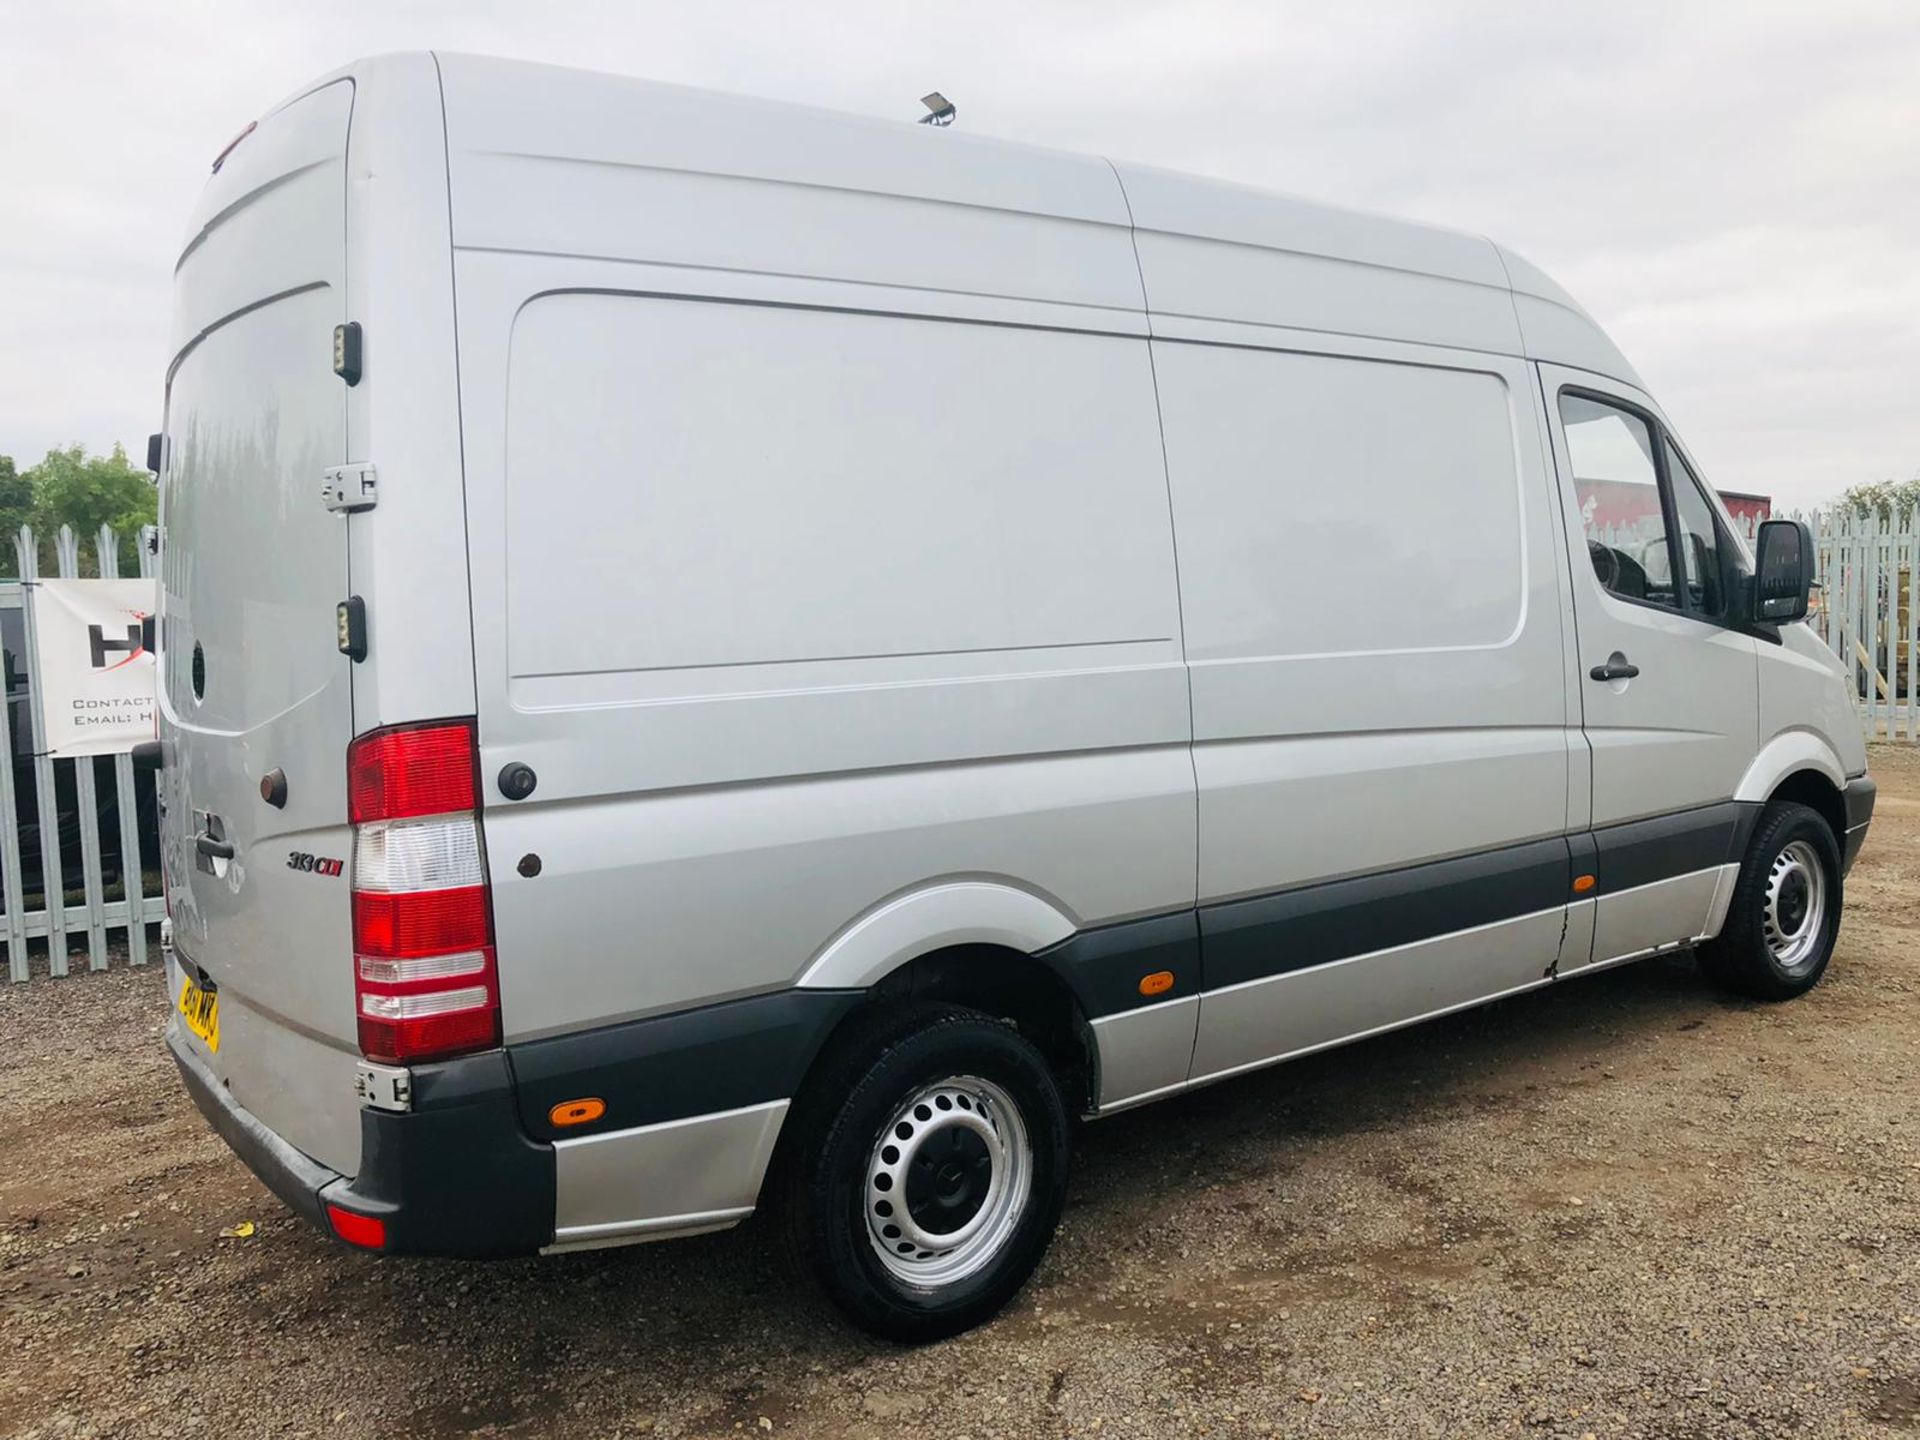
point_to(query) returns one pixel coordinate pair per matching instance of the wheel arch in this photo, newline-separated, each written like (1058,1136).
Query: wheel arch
(1798,765)
(951,914)
(996,980)
(1814,790)
(972,942)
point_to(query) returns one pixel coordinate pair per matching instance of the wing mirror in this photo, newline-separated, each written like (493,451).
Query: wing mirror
(1782,572)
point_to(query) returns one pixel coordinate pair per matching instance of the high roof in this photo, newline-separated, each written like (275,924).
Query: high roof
(577,163)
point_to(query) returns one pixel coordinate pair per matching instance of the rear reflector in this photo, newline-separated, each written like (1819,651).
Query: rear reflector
(425,986)
(367,1231)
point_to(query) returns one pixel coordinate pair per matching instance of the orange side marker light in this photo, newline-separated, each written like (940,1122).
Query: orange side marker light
(1582,884)
(576,1112)
(1158,983)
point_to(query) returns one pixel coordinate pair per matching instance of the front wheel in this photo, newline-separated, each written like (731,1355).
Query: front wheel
(927,1171)
(1785,914)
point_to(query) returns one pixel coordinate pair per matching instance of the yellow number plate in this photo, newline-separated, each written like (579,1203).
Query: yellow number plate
(201,1010)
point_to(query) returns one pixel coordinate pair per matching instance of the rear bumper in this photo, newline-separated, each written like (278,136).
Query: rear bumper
(477,1167)
(1859,796)
(455,1175)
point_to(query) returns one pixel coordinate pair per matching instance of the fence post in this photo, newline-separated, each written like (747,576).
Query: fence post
(1831,582)
(1886,618)
(1867,583)
(53,890)
(1837,611)
(1911,521)
(149,551)
(1824,566)
(12,891)
(1849,562)
(86,800)
(132,879)
(1862,608)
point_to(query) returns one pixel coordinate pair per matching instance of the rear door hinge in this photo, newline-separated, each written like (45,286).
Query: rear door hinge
(348,489)
(383,1087)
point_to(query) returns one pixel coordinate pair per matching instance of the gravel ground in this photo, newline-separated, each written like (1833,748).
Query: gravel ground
(1624,1206)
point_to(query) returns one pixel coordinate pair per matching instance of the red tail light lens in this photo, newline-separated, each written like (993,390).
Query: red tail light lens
(367,1231)
(425,922)
(412,770)
(425,985)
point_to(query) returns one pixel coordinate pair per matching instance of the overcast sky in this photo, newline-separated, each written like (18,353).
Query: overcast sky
(1732,189)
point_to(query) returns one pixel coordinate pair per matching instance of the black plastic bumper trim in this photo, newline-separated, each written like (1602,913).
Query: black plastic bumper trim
(456,1175)
(1858,797)
(669,1067)
(1104,967)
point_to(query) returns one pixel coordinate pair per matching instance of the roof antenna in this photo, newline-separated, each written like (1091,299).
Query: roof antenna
(939,108)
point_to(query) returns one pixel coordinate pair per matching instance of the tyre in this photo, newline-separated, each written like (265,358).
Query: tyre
(926,1170)
(1785,914)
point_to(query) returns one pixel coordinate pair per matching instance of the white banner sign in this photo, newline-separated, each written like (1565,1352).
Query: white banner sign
(94,668)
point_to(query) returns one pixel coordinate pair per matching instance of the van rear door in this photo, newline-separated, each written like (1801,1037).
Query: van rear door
(256,701)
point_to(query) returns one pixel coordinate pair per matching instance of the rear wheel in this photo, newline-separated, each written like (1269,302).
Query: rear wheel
(1785,914)
(926,1170)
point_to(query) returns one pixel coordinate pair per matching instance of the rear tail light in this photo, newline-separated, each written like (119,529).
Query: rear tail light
(425,985)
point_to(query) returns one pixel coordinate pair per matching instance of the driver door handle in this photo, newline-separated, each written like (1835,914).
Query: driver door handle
(1618,667)
(212,848)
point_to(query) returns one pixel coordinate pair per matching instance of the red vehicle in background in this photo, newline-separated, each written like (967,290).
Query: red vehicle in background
(1749,510)
(1619,502)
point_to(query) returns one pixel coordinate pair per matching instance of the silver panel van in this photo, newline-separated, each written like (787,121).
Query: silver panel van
(719,655)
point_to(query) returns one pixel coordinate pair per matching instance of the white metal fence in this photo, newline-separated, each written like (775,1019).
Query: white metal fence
(75,857)
(58,817)
(1864,609)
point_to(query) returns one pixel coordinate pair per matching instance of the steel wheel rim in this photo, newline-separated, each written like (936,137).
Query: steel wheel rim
(947,1181)
(1793,914)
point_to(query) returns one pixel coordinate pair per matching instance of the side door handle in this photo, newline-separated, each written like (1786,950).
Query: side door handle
(1618,667)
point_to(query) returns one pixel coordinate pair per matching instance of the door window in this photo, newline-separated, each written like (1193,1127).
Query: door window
(1617,483)
(1699,539)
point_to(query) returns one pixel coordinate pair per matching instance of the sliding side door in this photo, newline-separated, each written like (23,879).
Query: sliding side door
(1373,612)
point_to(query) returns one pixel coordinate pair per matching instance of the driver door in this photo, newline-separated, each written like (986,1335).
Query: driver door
(1668,683)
